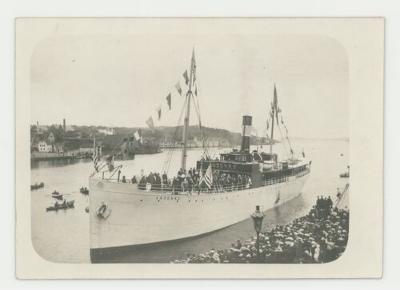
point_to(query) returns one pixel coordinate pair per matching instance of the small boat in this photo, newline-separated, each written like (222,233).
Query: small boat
(59,197)
(37,186)
(345,174)
(84,190)
(55,192)
(64,205)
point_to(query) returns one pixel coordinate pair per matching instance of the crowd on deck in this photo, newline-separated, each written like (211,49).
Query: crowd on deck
(319,237)
(191,181)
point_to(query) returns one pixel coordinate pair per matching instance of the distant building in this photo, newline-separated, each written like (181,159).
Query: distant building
(107,131)
(44,147)
(64,125)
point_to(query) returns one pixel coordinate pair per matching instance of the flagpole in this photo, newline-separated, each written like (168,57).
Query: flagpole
(273,118)
(186,122)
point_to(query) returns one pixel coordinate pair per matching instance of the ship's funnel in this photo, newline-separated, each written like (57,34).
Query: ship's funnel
(246,133)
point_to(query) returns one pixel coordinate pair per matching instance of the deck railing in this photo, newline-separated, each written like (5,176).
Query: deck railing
(216,188)
(193,190)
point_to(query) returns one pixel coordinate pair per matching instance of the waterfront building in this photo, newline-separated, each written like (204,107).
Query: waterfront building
(44,147)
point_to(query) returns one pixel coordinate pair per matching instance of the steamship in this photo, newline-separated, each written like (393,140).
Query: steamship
(127,214)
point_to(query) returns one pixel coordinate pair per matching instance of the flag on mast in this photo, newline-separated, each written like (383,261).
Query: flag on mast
(137,136)
(169,101)
(194,66)
(150,122)
(185,75)
(95,156)
(159,113)
(207,178)
(178,88)
(275,104)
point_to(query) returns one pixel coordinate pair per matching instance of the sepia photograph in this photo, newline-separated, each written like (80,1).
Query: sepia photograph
(192,146)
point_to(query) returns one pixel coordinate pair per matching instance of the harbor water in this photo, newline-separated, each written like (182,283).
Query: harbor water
(63,236)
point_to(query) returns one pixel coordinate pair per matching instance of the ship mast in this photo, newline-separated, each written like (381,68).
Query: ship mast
(189,95)
(273,112)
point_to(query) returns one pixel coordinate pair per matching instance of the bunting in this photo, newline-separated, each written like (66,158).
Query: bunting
(207,178)
(95,156)
(136,135)
(178,88)
(194,69)
(95,159)
(159,113)
(150,122)
(278,110)
(185,75)
(169,101)
(168,98)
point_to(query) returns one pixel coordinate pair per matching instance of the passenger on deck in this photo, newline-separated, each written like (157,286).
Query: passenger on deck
(123,179)
(189,181)
(134,179)
(165,178)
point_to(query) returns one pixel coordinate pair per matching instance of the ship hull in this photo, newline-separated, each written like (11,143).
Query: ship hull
(135,217)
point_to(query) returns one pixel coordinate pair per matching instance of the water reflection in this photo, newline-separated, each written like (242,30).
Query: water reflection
(35,164)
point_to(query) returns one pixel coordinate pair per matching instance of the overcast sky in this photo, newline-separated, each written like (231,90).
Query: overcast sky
(120,80)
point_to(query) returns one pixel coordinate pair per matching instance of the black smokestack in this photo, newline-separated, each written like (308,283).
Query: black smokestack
(246,133)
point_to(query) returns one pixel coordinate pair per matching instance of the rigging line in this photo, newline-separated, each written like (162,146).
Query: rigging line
(197,107)
(203,137)
(102,162)
(167,164)
(288,139)
(280,133)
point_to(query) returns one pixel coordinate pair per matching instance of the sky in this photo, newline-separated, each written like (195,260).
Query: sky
(121,80)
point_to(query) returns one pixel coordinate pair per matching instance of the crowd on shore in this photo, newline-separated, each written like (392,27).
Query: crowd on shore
(318,237)
(191,181)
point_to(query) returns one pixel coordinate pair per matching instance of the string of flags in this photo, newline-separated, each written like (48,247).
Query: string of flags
(274,114)
(185,75)
(178,88)
(169,101)
(169,98)
(150,122)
